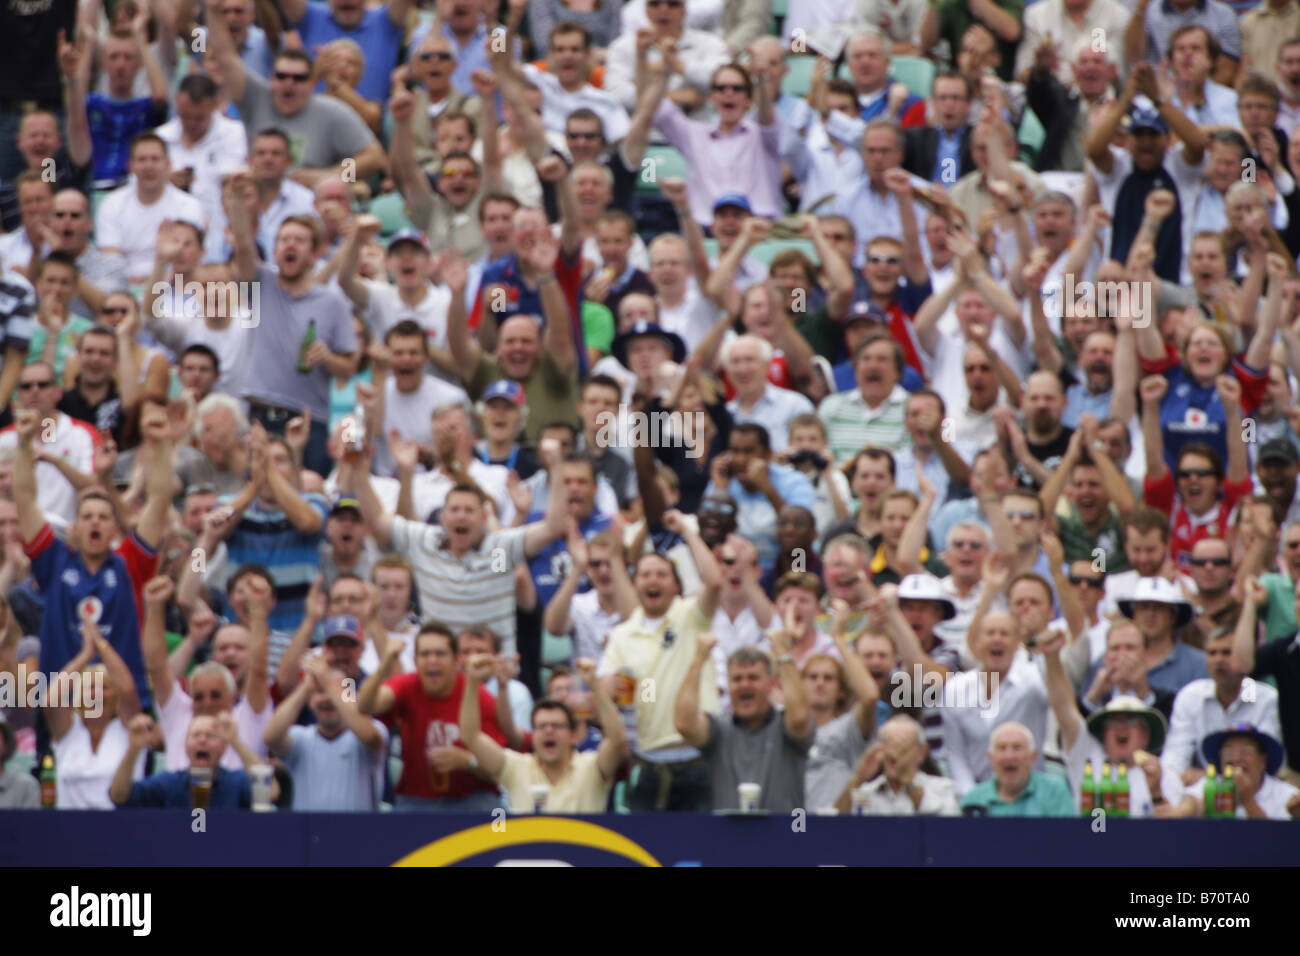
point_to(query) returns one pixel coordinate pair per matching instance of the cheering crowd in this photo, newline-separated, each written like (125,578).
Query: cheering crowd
(577,405)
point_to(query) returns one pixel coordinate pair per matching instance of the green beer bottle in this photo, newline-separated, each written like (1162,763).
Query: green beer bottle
(1122,792)
(1087,791)
(49,793)
(1107,789)
(308,338)
(1227,794)
(1211,793)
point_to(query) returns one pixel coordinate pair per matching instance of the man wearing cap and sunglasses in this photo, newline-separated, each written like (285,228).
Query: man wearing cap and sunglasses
(1278,471)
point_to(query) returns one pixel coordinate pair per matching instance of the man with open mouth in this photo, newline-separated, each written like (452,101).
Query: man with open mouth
(88,575)
(205,743)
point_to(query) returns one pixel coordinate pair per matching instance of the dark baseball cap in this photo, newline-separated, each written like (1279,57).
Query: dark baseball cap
(1278,449)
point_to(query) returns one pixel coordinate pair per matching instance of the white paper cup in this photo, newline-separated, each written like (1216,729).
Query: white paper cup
(859,797)
(260,777)
(749,795)
(539,792)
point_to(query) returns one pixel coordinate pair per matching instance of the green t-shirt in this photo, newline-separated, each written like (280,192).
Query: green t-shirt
(551,395)
(597,326)
(955,19)
(66,345)
(1043,796)
(1079,545)
(823,335)
(1279,621)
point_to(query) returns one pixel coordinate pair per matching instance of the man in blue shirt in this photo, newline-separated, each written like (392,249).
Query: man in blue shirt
(204,745)
(117,118)
(550,566)
(378,31)
(760,487)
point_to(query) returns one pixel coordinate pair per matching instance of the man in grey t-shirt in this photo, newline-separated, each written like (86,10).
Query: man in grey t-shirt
(301,333)
(756,743)
(327,137)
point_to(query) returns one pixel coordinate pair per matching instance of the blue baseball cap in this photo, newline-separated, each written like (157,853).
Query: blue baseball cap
(1142,118)
(343,625)
(733,199)
(409,235)
(512,392)
(864,310)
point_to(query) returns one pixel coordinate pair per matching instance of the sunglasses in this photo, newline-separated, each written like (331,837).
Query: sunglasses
(1196,473)
(665,3)
(884,260)
(457,174)
(27,386)
(1022,515)
(439,55)
(114,310)
(714,508)
(1078,579)
(599,564)
(575,135)
(1215,562)
(728,561)
(292,77)
(729,88)
(968,545)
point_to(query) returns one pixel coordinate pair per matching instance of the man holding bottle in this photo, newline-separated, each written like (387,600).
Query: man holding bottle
(301,331)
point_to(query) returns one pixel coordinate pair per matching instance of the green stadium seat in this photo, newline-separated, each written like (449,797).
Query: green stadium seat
(661,162)
(1030,137)
(916,72)
(798,81)
(391,210)
(766,251)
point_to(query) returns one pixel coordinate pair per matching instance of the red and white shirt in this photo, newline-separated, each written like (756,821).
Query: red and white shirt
(1186,528)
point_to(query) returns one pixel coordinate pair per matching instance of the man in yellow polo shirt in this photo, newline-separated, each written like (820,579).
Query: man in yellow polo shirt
(645,661)
(577,782)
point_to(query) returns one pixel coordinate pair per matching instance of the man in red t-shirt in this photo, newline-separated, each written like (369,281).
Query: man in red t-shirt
(438,772)
(1199,498)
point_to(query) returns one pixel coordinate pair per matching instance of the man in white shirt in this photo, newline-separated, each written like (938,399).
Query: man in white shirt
(1065,25)
(411,396)
(746,358)
(699,54)
(414,297)
(1211,703)
(453,448)
(1126,732)
(902,789)
(278,196)
(565,86)
(1001,690)
(1192,55)
(62,437)
(683,309)
(203,145)
(1254,757)
(128,220)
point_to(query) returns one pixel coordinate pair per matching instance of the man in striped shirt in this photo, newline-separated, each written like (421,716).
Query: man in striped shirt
(871,414)
(465,572)
(17,312)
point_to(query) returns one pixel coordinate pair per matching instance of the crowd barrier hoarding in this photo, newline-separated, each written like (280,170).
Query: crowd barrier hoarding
(233,838)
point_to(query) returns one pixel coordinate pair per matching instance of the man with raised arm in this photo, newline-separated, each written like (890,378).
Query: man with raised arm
(577,782)
(758,743)
(88,578)
(463,571)
(338,764)
(329,138)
